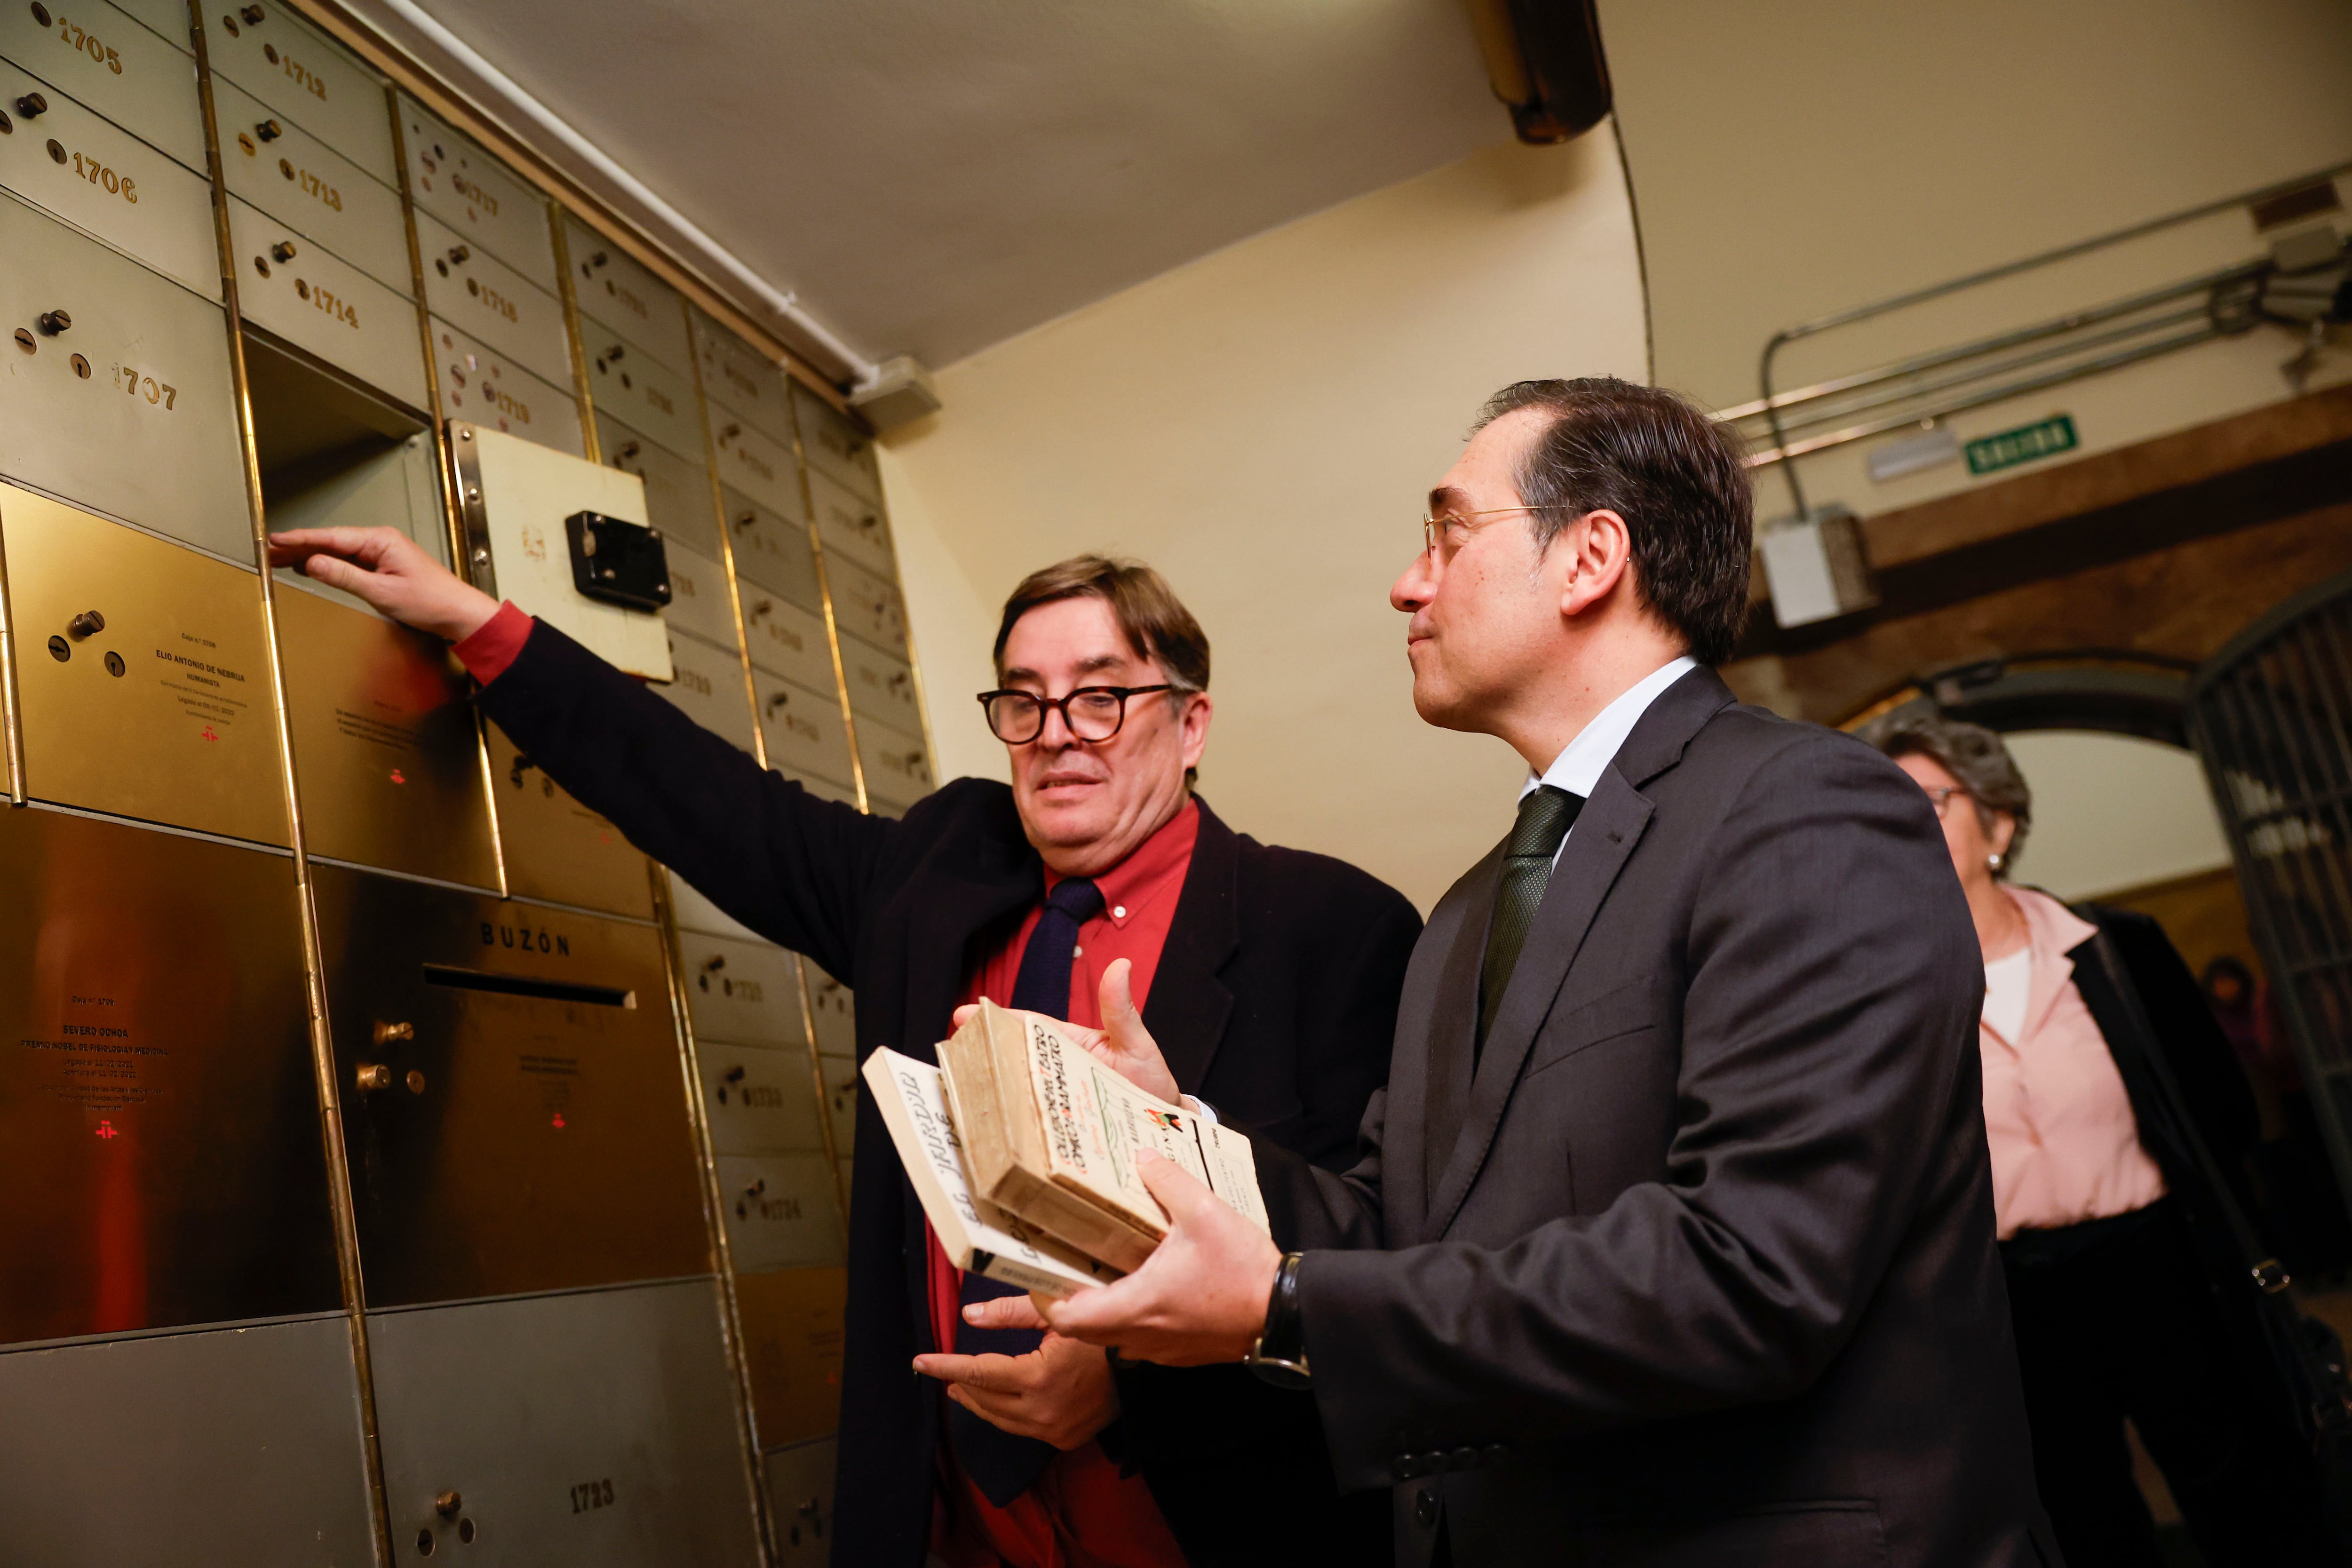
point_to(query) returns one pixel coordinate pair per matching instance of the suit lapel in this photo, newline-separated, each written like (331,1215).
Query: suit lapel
(1188,1006)
(1459,923)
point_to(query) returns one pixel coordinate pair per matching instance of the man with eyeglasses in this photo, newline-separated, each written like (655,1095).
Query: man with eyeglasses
(1098,887)
(1673,1241)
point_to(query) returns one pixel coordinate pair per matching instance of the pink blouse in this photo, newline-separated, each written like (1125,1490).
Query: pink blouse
(2066,1146)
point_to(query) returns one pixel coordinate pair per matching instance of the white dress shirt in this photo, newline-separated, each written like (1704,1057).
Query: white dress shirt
(1578,766)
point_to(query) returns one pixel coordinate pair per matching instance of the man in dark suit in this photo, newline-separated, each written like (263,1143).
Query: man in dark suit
(1270,976)
(1672,1241)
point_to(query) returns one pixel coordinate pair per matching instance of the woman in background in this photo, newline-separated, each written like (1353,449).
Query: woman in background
(2127,1290)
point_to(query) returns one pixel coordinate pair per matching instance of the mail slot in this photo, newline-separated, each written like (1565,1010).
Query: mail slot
(142,674)
(590,1430)
(744,993)
(116,393)
(803,729)
(700,602)
(781,1211)
(834,1009)
(308,80)
(800,1498)
(745,380)
(866,605)
(301,182)
(881,686)
(479,196)
(753,464)
(851,526)
(556,848)
(615,288)
(898,765)
(787,640)
(159,1136)
(637,389)
(323,305)
(791,1347)
(480,385)
(836,443)
(512,1103)
(678,492)
(246,1440)
(706,686)
(477,293)
(100,57)
(385,752)
(80,166)
(761,1100)
(773,548)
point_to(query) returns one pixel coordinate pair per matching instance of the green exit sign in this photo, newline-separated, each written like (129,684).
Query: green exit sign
(2023,445)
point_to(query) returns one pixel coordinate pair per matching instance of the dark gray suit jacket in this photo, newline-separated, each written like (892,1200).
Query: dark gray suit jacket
(1698,1269)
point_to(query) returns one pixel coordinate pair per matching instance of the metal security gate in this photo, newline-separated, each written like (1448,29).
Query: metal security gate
(2271,714)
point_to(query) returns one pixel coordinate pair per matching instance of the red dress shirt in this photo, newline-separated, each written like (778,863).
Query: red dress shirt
(491,647)
(1082,1513)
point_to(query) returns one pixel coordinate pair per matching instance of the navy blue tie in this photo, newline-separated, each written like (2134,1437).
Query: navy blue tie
(1001,1465)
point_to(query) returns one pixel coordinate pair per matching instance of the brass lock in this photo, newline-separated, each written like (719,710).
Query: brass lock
(460,255)
(31,105)
(415,1081)
(447,1504)
(283,250)
(52,322)
(730,432)
(373,1076)
(385,1034)
(252,14)
(87,624)
(777,700)
(269,130)
(761,608)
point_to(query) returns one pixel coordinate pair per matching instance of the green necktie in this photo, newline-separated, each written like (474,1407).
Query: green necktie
(1545,816)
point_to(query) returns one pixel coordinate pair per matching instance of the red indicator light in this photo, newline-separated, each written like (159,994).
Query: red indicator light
(398,777)
(559,1119)
(106,1130)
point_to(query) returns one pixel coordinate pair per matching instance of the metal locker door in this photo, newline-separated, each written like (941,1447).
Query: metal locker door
(310,82)
(477,293)
(853,528)
(82,167)
(159,1136)
(787,640)
(700,602)
(800,1497)
(761,1100)
(772,550)
(100,57)
(239,1446)
(325,306)
(480,385)
(898,766)
(881,686)
(868,606)
(629,384)
(836,443)
(757,466)
(803,729)
(301,182)
(385,752)
(742,991)
(677,491)
(168,21)
(513,1105)
(614,288)
(116,391)
(556,848)
(596,1429)
(781,1211)
(2271,716)
(707,687)
(479,196)
(791,1348)
(142,674)
(743,379)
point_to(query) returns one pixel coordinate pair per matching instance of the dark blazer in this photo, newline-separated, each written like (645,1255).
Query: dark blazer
(1697,1267)
(1274,1001)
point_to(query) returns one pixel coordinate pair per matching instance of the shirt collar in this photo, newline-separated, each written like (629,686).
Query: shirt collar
(1153,867)
(1580,765)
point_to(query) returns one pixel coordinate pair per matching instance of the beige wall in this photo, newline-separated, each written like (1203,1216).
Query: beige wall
(1796,159)
(1264,425)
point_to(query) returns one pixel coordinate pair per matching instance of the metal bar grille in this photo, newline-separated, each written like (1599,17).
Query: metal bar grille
(2271,715)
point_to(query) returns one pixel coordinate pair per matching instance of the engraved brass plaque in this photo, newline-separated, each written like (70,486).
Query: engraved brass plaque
(772,550)
(741,991)
(385,752)
(791,1342)
(803,729)
(612,287)
(781,1210)
(761,1100)
(526,1126)
(555,847)
(142,674)
(836,443)
(159,1124)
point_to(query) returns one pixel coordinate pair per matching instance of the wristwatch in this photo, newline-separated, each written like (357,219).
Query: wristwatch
(1279,1354)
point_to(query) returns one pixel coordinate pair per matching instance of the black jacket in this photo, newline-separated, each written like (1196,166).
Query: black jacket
(1696,1267)
(1274,1001)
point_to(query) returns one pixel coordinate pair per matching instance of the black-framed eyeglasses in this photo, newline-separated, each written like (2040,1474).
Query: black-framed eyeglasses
(1094,713)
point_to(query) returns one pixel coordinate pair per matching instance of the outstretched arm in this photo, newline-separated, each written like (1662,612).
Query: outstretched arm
(385,569)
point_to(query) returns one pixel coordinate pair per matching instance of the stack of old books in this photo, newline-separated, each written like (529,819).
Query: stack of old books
(1022,1146)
